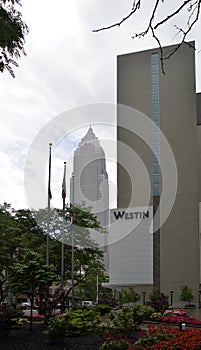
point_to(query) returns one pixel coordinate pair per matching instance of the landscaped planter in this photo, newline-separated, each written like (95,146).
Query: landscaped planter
(176,316)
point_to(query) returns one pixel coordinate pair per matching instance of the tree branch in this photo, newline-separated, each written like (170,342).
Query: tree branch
(142,34)
(135,7)
(172,14)
(185,33)
(194,13)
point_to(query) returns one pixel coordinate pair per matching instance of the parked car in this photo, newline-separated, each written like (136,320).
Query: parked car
(25,305)
(88,303)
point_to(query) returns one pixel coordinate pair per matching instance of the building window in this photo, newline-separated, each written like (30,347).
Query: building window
(154,87)
(156,137)
(156,189)
(154,58)
(155,96)
(156,179)
(156,122)
(156,168)
(155,78)
(155,118)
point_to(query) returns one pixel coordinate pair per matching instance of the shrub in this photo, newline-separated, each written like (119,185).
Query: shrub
(9,314)
(56,329)
(175,315)
(159,301)
(125,320)
(165,338)
(80,322)
(74,323)
(111,343)
(186,294)
(178,319)
(190,339)
(102,308)
(128,296)
(156,316)
(153,335)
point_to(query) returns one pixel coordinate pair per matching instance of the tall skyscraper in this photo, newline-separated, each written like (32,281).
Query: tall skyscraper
(171,103)
(91,179)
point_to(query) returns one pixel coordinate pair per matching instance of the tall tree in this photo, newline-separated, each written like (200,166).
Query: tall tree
(20,231)
(31,275)
(30,233)
(9,242)
(186,294)
(88,258)
(12,34)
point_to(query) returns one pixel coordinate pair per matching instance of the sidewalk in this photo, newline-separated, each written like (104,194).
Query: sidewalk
(23,339)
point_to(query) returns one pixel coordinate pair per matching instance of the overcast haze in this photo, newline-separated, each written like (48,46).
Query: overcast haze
(67,65)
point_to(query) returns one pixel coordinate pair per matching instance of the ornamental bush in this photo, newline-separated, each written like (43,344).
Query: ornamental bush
(159,301)
(128,296)
(9,314)
(175,315)
(56,329)
(186,294)
(125,320)
(112,343)
(153,335)
(165,338)
(80,322)
(74,323)
(102,308)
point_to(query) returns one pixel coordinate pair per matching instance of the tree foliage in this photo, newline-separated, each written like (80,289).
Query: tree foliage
(12,34)
(30,275)
(19,232)
(128,296)
(88,258)
(159,16)
(158,301)
(186,294)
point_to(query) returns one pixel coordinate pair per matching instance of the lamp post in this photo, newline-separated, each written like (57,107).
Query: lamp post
(171,297)
(199,299)
(143,297)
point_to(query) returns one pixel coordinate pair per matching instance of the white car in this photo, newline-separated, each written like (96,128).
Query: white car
(25,305)
(88,303)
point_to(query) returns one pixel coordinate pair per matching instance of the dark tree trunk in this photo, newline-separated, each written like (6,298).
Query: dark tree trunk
(31,312)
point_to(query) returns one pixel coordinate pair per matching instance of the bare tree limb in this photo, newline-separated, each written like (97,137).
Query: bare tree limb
(192,7)
(135,7)
(150,22)
(161,50)
(172,14)
(185,33)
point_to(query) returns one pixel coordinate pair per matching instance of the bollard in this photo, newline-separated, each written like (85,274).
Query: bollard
(182,326)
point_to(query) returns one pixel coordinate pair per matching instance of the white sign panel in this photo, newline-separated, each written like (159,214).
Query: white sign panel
(131,246)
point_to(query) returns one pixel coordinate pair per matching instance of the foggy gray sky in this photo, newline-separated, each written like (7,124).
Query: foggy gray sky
(67,66)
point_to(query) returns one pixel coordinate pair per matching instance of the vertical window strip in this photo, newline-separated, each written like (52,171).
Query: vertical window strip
(156,121)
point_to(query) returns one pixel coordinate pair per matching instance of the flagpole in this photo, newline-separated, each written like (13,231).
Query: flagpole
(62,244)
(72,257)
(48,207)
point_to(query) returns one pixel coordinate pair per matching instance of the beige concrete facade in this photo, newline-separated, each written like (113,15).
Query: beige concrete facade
(177,244)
